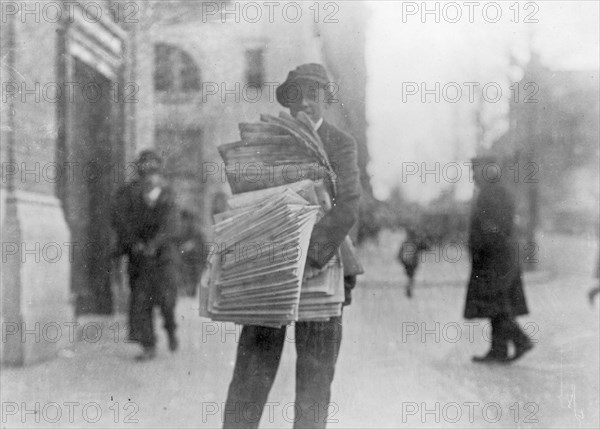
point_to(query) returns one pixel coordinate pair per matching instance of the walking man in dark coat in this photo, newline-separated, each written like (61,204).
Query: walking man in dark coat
(495,289)
(317,343)
(410,253)
(145,219)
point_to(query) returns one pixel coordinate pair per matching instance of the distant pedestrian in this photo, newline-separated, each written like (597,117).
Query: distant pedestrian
(495,289)
(145,219)
(192,257)
(409,255)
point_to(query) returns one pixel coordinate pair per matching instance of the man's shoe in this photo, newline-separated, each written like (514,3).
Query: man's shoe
(148,354)
(521,349)
(491,357)
(173,343)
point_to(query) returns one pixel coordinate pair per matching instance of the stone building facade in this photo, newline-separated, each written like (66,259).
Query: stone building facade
(63,134)
(85,86)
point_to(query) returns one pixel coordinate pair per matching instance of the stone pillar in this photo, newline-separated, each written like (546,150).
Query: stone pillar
(35,285)
(36,305)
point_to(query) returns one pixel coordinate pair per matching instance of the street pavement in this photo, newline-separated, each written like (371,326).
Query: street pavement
(403,362)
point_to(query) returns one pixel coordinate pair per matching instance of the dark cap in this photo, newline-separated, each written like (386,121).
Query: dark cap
(147,156)
(312,72)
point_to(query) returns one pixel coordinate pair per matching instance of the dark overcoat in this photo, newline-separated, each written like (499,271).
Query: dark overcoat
(495,287)
(410,251)
(329,233)
(136,222)
(151,278)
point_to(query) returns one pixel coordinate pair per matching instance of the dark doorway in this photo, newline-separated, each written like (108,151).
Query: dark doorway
(94,149)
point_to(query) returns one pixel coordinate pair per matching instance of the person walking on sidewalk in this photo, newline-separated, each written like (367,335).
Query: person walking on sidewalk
(145,219)
(495,289)
(409,255)
(317,343)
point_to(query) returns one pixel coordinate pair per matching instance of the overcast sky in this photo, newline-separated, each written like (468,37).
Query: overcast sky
(405,132)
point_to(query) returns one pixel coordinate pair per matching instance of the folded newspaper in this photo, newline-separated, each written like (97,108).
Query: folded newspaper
(281,179)
(259,274)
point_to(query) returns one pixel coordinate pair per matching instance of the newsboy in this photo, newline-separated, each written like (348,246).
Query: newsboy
(317,343)
(495,288)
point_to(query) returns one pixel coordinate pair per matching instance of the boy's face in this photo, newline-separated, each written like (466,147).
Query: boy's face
(152,185)
(310,100)
(149,166)
(152,181)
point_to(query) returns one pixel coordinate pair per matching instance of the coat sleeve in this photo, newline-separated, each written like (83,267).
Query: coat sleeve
(332,229)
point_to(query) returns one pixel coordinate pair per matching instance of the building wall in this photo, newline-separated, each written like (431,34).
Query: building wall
(38,210)
(39,247)
(35,274)
(343,40)
(218,49)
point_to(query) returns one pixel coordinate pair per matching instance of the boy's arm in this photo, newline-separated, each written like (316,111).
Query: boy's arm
(329,233)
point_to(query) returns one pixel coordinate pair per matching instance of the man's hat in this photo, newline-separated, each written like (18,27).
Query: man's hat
(149,155)
(312,72)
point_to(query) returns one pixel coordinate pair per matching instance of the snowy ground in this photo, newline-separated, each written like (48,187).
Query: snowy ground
(403,363)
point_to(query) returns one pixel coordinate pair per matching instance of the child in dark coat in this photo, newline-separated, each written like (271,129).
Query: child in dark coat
(409,255)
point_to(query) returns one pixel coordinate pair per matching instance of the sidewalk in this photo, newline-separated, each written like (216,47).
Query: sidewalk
(403,363)
(99,372)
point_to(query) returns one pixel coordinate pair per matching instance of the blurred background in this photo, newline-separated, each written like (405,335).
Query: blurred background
(422,86)
(542,122)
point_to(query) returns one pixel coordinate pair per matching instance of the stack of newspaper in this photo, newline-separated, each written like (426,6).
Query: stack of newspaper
(322,292)
(259,275)
(256,276)
(274,152)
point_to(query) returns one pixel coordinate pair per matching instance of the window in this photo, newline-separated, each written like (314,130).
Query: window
(174,70)
(255,69)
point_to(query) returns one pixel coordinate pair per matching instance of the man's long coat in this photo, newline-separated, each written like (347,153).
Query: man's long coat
(153,278)
(495,287)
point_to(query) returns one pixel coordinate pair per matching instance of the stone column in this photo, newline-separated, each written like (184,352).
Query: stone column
(35,291)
